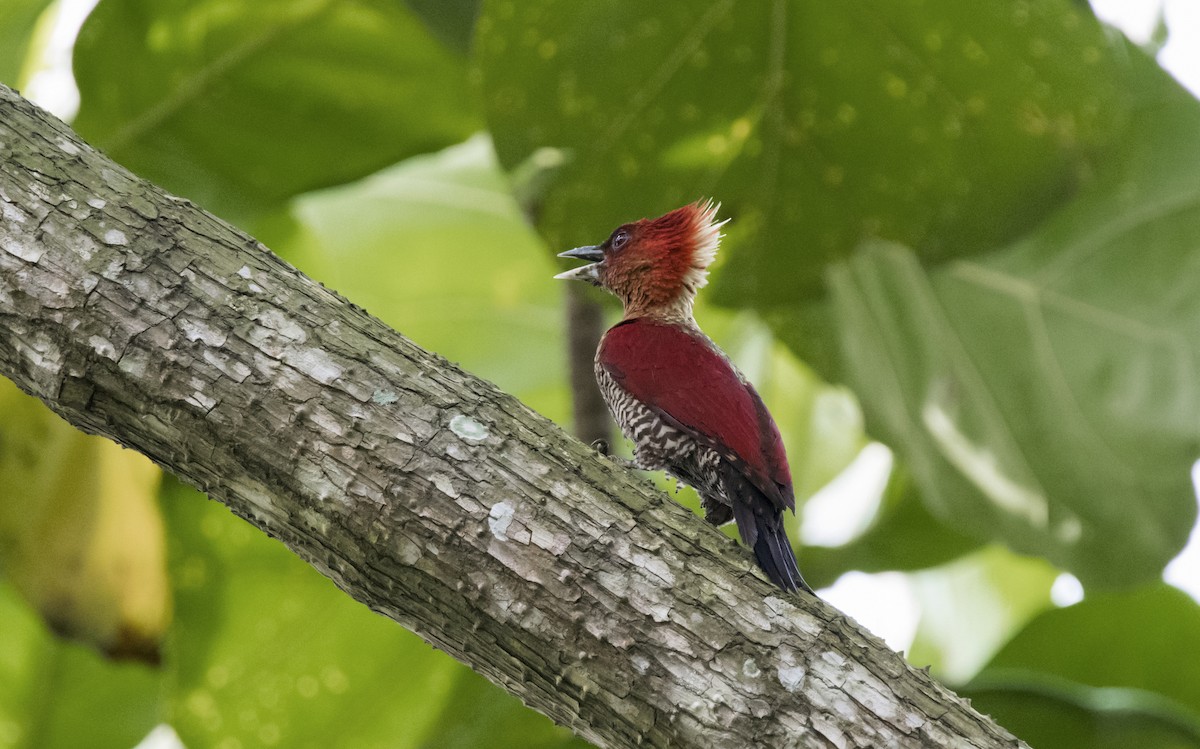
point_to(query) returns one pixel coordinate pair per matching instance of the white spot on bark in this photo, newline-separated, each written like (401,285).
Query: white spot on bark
(468,429)
(203,401)
(115,237)
(499,519)
(97,203)
(315,363)
(409,552)
(384,397)
(791,677)
(654,566)
(255,288)
(750,669)
(275,320)
(12,214)
(640,663)
(327,421)
(30,252)
(244,271)
(199,330)
(231,368)
(103,347)
(44,352)
(555,543)
(442,482)
(68,147)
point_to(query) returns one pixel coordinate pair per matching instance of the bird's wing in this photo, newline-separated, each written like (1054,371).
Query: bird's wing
(682,376)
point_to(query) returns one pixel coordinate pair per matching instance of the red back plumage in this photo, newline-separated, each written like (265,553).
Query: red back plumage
(679,373)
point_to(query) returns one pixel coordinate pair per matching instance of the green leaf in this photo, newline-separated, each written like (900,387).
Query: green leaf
(972,606)
(1114,666)
(902,536)
(1044,394)
(949,126)
(268,652)
(477,714)
(60,695)
(242,105)
(1147,639)
(18,20)
(452,21)
(1049,715)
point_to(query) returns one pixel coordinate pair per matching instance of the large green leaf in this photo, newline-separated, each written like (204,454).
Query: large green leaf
(950,126)
(1046,394)
(61,695)
(242,105)
(1048,715)
(1113,667)
(18,19)
(1147,639)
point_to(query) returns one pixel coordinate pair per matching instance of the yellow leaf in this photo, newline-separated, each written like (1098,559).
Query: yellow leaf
(81,535)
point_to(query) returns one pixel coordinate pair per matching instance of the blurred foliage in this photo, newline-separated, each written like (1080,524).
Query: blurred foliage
(270,653)
(1117,667)
(972,605)
(902,535)
(816,124)
(980,216)
(18,19)
(1045,393)
(241,106)
(56,694)
(81,536)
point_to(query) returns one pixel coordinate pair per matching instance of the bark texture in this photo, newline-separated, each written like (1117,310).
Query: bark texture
(422,491)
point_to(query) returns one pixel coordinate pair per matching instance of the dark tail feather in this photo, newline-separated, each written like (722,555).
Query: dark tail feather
(764,534)
(775,556)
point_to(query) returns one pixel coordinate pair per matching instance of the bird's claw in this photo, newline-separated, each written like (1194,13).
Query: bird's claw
(601,446)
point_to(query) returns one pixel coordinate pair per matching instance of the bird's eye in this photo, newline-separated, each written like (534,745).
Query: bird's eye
(619,239)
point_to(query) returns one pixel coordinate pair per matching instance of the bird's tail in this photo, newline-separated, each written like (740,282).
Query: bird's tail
(760,525)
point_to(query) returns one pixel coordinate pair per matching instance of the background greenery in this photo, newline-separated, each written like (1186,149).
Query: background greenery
(977,220)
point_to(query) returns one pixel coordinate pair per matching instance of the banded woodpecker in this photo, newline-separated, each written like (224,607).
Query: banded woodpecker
(675,395)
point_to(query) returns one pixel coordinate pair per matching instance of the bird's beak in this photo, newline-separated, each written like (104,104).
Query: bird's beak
(588,273)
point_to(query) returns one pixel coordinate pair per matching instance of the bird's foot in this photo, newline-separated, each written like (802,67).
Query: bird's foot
(601,446)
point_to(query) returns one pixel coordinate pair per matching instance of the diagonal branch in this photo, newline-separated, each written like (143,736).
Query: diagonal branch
(420,490)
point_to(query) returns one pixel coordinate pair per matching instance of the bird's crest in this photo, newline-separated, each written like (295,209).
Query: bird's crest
(694,234)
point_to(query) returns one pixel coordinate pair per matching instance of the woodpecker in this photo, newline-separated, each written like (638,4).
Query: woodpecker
(675,395)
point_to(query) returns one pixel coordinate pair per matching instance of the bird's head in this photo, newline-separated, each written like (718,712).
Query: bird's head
(654,266)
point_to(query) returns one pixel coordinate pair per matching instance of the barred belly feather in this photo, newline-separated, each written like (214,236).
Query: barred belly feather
(659,446)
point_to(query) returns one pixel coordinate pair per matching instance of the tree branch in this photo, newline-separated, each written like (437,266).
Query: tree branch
(420,490)
(585,325)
